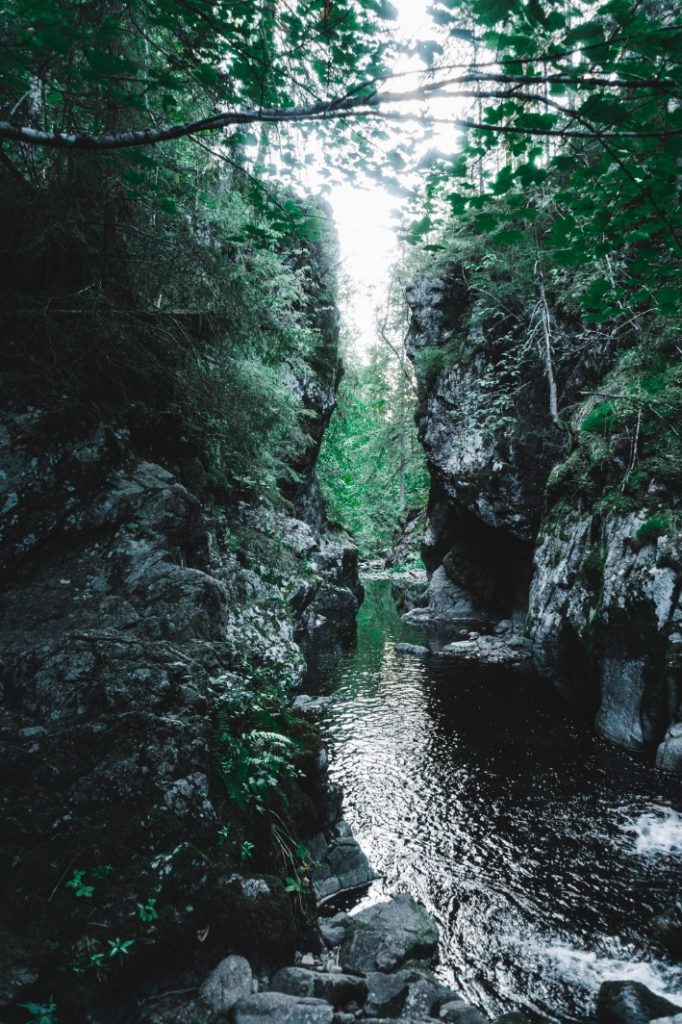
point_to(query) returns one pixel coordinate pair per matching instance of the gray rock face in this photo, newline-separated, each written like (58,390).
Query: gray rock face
(277,1008)
(410,992)
(449,602)
(630,1002)
(229,982)
(408,538)
(603,604)
(339,864)
(337,989)
(388,934)
(490,447)
(126,618)
(605,616)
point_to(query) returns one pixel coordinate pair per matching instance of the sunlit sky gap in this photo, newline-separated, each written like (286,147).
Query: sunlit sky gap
(368,215)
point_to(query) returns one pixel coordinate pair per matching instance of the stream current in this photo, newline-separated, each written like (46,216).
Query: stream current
(541,851)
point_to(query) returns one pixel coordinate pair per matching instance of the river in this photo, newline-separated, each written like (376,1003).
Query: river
(541,851)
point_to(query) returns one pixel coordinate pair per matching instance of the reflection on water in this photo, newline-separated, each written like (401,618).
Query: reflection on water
(541,851)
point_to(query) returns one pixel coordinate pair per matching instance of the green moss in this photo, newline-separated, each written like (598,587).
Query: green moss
(601,420)
(655,526)
(615,501)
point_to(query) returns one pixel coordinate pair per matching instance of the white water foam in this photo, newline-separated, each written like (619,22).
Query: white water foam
(589,970)
(658,830)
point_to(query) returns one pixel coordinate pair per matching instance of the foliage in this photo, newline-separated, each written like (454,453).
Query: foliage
(371,467)
(586,108)
(256,754)
(147,911)
(78,885)
(91,68)
(41,1013)
(206,311)
(628,449)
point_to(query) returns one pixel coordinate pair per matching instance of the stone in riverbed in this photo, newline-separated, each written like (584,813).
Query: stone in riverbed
(415,650)
(334,929)
(669,752)
(337,989)
(339,864)
(227,983)
(631,1002)
(387,935)
(410,992)
(667,928)
(312,707)
(509,651)
(459,1012)
(278,1008)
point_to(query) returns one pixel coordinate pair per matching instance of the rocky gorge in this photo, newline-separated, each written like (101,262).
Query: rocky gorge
(172,836)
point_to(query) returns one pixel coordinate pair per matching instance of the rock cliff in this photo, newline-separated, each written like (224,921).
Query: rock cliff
(149,652)
(571,524)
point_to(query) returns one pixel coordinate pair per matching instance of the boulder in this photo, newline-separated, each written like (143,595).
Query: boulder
(227,983)
(667,929)
(278,1008)
(415,650)
(669,752)
(334,929)
(387,935)
(456,1011)
(410,992)
(631,1002)
(386,994)
(339,863)
(337,989)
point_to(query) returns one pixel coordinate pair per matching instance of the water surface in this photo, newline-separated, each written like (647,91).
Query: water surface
(541,850)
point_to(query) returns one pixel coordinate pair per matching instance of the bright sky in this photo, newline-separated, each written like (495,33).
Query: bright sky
(368,217)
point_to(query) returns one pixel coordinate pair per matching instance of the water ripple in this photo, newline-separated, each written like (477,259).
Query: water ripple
(541,852)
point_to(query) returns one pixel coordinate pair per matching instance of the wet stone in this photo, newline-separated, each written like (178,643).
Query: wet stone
(387,935)
(278,1008)
(229,982)
(631,1002)
(458,1012)
(337,989)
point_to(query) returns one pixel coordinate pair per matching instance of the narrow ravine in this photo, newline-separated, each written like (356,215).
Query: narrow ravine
(542,851)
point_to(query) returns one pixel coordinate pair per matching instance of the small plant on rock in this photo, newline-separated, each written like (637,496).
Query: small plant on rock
(655,526)
(41,1013)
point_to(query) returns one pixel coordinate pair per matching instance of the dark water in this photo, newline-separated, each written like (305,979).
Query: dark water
(541,851)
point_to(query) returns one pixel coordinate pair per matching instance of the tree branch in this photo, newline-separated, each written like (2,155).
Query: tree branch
(361,107)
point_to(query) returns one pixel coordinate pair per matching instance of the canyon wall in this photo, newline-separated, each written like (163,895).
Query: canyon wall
(150,629)
(568,523)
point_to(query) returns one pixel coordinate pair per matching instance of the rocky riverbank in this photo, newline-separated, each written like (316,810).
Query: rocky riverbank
(374,965)
(158,789)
